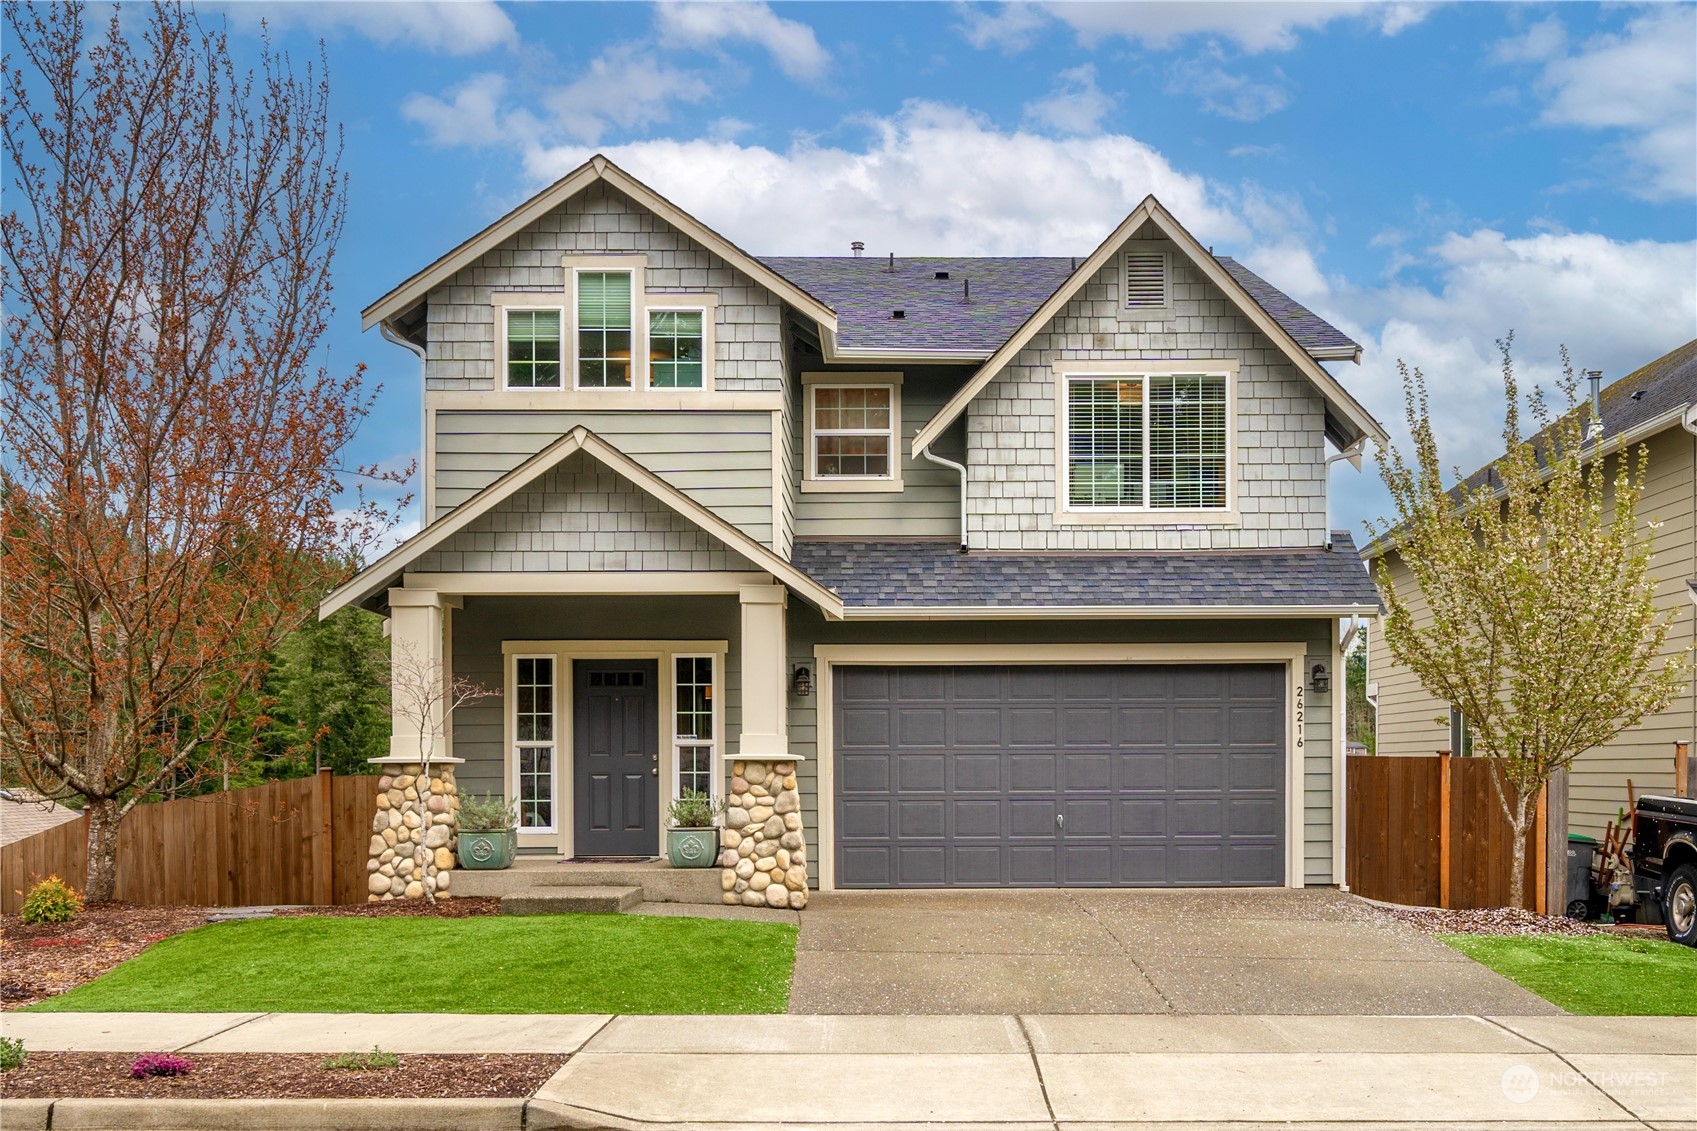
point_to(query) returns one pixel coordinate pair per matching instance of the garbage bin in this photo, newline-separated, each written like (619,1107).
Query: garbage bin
(1579,850)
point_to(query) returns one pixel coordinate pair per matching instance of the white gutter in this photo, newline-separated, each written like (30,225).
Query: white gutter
(961,470)
(416,350)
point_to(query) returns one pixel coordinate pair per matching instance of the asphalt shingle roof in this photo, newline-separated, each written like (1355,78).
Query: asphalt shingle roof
(1005,292)
(912,574)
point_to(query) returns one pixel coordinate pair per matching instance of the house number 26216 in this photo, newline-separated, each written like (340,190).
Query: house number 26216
(1301,706)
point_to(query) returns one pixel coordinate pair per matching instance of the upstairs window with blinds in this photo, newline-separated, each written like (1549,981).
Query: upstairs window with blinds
(533,349)
(1154,442)
(604,330)
(1145,280)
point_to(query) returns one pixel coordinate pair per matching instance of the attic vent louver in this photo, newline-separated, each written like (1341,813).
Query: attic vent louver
(1145,279)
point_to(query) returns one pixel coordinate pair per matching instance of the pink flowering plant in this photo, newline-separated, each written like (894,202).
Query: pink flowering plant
(160,1064)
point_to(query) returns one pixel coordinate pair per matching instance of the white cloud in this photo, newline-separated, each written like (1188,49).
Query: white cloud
(449,27)
(1615,304)
(1075,105)
(1012,27)
(1642,82)
(1238,97)
(1255,27)
(792,45)
(625,86)
(930,179)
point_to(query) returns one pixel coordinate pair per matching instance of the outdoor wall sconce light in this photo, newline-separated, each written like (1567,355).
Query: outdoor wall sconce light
(1319,679)
(801,680)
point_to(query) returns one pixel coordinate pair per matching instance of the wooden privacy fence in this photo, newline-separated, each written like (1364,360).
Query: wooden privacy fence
(302,841)
(1429,831)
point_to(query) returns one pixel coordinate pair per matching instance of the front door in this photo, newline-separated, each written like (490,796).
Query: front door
(616,763)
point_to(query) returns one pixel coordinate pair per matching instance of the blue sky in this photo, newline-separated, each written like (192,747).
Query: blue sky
(1427,176)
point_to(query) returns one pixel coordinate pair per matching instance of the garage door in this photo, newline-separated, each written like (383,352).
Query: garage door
(1059,776)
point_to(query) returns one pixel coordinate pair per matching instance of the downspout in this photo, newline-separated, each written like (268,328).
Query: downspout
(389,335)
(961,469)
(1689,421)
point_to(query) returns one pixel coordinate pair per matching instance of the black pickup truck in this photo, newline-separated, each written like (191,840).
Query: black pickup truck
(1664,862)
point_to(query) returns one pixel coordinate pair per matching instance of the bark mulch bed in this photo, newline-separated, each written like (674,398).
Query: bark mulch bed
(41,960)
(253,1075)
(1496,921)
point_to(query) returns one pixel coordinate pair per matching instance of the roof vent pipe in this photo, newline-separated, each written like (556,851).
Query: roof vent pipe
(1596,428)
(858,248)
(959,469)
(892,265)
(966,290)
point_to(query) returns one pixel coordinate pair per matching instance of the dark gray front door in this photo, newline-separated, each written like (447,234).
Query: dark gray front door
(616,757)
(1060,776)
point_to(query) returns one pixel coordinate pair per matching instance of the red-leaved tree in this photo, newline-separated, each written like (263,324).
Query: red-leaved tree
(173,469)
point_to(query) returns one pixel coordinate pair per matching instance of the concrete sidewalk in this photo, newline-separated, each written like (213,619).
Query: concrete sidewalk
(1073,1072)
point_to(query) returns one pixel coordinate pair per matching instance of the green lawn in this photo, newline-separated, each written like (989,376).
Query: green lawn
(494,964)
(1594,974)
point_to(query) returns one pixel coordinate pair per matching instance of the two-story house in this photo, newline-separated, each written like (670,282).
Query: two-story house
(1008,572)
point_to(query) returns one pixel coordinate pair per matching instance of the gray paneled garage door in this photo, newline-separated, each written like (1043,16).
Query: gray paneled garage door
(1045,776)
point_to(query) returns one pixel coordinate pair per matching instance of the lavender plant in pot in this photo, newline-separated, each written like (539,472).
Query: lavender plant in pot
(488,834)
(692,838)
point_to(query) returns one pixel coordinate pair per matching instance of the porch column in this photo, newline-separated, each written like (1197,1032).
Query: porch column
(415,651)
(765,853)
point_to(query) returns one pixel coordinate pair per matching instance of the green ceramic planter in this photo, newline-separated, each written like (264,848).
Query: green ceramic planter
(692,848)
(487,850)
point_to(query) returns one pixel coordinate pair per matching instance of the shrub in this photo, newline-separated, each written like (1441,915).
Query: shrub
(363,1061)
(160,1064)
(486,814)
(51,901)
(12,1054)
(694,810)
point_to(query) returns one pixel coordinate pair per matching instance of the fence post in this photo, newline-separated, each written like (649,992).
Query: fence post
(1540,846)
(1443,828)
(1682,786)
(326,837)
(1555,844)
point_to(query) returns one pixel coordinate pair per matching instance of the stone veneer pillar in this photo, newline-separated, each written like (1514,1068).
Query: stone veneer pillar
(413,808)
(765,854)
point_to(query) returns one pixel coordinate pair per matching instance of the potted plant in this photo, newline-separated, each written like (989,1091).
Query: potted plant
(692,839)
(488,836)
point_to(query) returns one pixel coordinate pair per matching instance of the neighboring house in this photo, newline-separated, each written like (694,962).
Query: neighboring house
(1024,562)
(1656,406)
(24,812)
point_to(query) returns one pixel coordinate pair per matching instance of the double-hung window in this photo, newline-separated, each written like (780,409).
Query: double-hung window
(852,432)
(533,747)
(692,698)
(675,346)
(1154,441)
(604,329)
(533,349)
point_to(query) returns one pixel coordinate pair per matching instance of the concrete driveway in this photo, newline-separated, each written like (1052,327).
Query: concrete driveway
(1266,951)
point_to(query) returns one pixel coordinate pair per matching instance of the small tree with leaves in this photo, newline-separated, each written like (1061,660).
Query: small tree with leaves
(1542,629)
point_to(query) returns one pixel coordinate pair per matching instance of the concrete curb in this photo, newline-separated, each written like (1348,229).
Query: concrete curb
(264,1115)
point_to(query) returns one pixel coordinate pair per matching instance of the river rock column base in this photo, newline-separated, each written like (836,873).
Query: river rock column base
(413,809)
(765,847)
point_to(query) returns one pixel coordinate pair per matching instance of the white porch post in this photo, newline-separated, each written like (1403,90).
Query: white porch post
(412,832)
(765,853)
(765,730)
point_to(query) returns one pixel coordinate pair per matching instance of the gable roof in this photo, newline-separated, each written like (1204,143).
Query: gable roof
(385,571)
(1151,211)
(1004,290)
(598,168)
(933,578)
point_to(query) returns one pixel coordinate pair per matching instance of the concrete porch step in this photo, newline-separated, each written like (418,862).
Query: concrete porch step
(659,882)
(601,900)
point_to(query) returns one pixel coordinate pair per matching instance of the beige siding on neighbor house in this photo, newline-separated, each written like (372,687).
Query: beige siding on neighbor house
(1644,753)
(722,460)
(1280,468)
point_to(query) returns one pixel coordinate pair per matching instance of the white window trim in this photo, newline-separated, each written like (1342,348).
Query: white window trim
(660,302)
(637,267)
(505,302)
(1143,313)
(514,744)
(811,480)
(1067,514)
(715,758)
